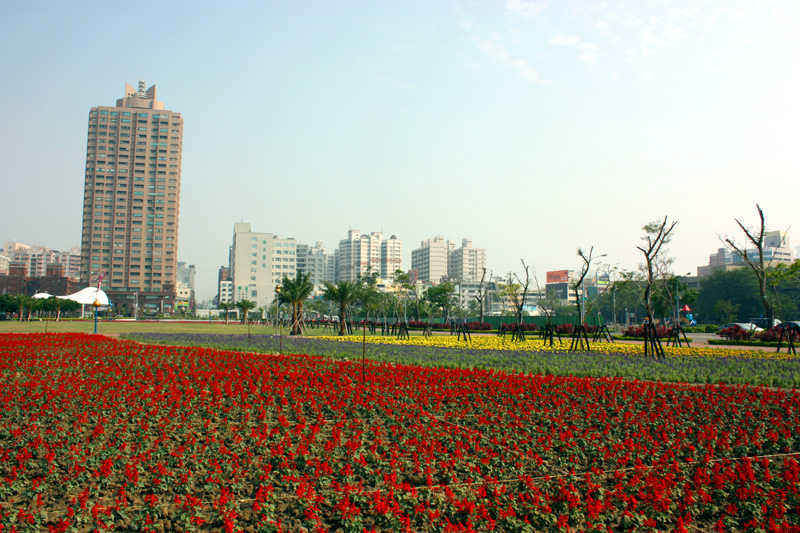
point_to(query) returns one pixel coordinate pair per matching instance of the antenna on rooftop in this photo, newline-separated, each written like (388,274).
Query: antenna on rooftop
(142,92)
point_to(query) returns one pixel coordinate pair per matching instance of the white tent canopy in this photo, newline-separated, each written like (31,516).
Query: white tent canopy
(88,295)
(42,296)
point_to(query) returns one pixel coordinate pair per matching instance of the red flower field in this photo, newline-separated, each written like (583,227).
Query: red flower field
(99,434)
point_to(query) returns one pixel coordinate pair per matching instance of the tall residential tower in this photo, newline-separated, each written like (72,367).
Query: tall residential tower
(132,201)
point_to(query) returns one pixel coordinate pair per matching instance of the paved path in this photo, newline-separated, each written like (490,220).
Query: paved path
(701,340)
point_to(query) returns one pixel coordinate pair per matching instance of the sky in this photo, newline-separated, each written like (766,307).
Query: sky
(533,128)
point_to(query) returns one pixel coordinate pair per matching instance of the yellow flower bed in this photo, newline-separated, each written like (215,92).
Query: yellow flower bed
(492,342)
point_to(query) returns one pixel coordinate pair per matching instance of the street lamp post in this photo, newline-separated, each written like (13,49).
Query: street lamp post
(614,297)
(96,305)
(277,310)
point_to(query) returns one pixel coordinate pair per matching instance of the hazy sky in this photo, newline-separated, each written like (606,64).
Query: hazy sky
(533,128)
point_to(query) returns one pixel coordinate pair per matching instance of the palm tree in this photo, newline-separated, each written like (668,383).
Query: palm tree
(56,304)
(343,293)
(244,306)
(295,291)
(227,307)
(25,303)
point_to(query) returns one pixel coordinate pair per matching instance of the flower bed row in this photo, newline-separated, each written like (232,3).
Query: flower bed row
(773,335)
(97,434)
(696,364)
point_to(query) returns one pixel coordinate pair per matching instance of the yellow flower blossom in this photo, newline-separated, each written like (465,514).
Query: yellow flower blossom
(494,342)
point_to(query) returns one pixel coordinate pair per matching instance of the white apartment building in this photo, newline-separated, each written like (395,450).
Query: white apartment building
(438,258)
(226,291)
(258,263)
(361,252)
(467,291)
(466,263)
(391,256)
(431,259)
(315,261)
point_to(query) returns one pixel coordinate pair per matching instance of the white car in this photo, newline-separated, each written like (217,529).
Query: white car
(747,326)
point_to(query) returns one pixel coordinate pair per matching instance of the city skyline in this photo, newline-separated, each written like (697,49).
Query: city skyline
(531,128)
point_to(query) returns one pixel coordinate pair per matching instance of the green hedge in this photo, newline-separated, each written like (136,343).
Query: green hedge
(623,338)
(710,328)
(723,342)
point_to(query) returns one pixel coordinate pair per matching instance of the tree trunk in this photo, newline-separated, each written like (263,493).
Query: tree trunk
(342,309)
(297,312)
(768,307)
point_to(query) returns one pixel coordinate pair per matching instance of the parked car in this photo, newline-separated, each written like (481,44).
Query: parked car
(763,322)
(794,325)
(749,327)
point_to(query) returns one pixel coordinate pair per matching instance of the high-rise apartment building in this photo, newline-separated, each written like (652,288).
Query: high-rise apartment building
(391,256)
(430,260)
(438,258)
(466,263)
(361,252)
(313,260)
(132,200)
(258,263)
(186,274)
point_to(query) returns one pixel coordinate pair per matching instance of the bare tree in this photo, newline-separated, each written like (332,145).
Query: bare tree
(578,286)
(656,234)
(755,263)
(518,300)
(547,305)
(482,293)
